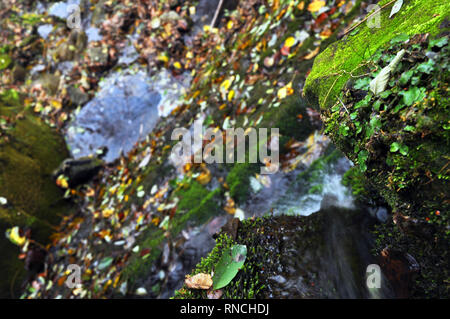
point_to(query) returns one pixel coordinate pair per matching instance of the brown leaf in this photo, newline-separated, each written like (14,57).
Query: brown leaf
(199,281)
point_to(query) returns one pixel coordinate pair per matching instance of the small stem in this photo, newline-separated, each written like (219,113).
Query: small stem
(216,14)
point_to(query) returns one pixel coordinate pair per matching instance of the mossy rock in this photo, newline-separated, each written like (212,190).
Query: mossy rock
(28,157)
(323,255)
(334,66)
(400,138)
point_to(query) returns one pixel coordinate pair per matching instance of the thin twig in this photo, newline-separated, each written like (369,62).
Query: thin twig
(369,16)
(216,14)
(343,105)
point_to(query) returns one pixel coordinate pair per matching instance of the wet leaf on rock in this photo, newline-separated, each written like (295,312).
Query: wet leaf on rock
(229,265)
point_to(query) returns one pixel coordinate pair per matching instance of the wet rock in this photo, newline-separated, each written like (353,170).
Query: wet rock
(400,268)
(125,110)
(18,73)
(98,55)
(35,262)
(76,96)
(44,30)
(79,171)
(61,9)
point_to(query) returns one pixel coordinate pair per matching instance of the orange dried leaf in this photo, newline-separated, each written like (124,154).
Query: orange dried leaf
(199,281)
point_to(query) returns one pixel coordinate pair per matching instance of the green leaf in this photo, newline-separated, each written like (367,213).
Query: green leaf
(362,83)
(105,263)
(406,76)
(343,130)
(402,37)
(438,42)
(404,150)
(395,147)
(413,95)
(5,61)
(229,265)
(362,158)
(426,67)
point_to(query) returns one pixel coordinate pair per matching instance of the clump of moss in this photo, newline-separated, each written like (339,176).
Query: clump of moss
(260,261)
(238,180)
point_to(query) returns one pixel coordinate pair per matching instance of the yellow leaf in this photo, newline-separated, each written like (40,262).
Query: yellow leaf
(230,95)
(301,5)
(107,212)
(285,91)
(282,93)
(177,65)
(316,5)
(230,25)
(163,58)
(56,104)
(14,236)
(289,42)
(226,84)
(62,181)
(204,177)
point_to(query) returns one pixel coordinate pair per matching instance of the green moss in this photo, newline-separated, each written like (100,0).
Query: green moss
(248,283)
(332,68)
(29,152)
(238,180)
(196,206)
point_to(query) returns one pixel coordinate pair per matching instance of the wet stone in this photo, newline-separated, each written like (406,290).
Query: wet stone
(124,110)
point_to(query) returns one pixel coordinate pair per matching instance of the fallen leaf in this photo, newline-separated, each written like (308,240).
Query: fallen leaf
(229,265)
(316,5)
(290,42)
(378,84)
(199,281)
(396,8)
(13,234)
(312,54)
